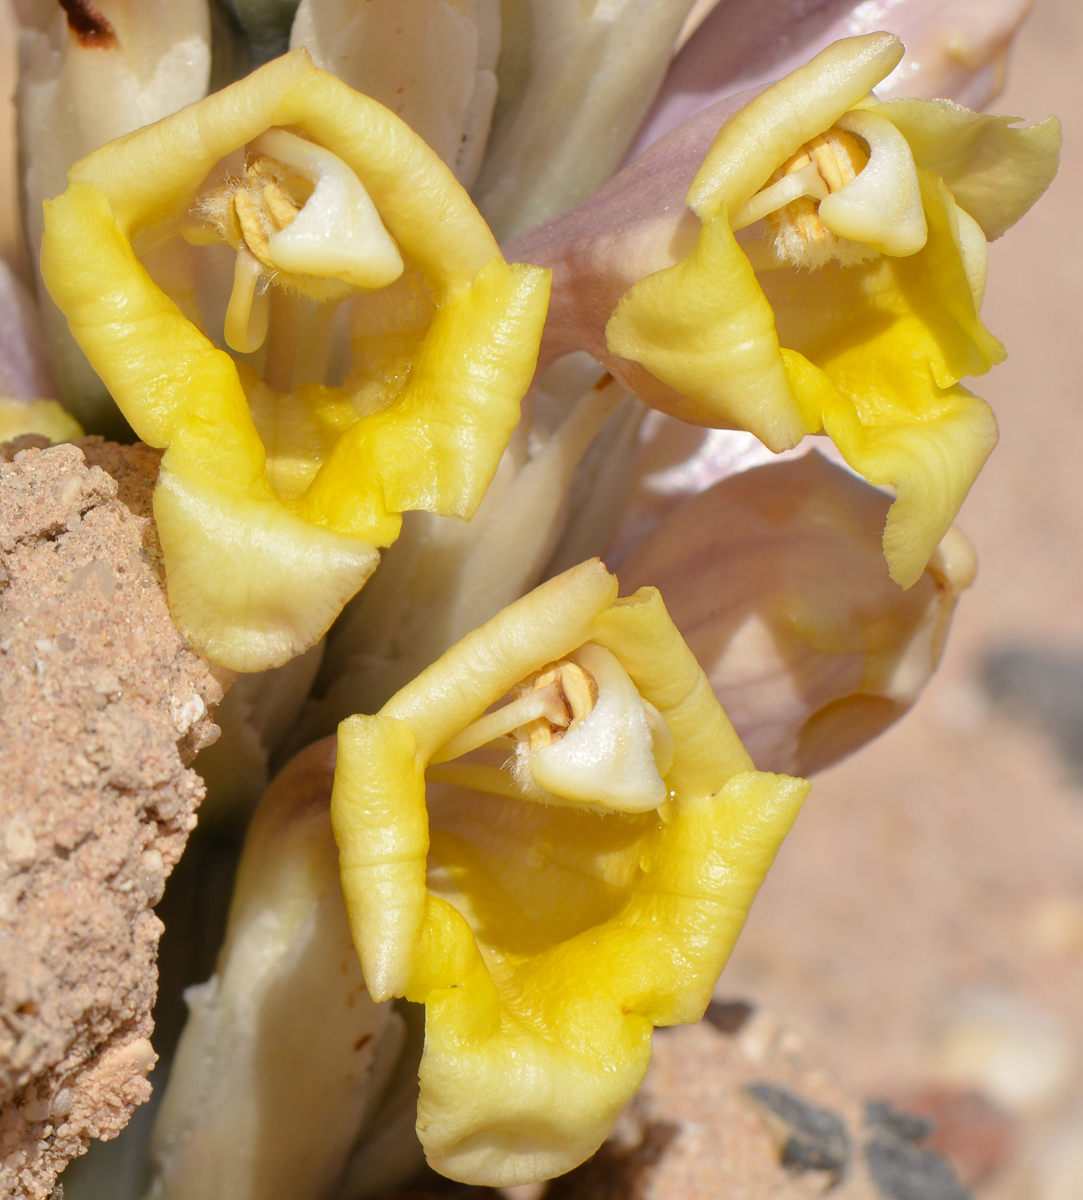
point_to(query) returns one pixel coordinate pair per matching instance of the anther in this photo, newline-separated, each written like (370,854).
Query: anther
(301,219)
(847,195)
(545,705)
(796,229)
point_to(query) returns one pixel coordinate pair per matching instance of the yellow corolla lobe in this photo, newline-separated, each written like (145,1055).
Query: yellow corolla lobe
(256,573)
(546,939)
(774,125)
(46,417)
(857,314)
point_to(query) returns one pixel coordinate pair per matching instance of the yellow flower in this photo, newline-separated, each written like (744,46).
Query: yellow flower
(273,498)
(549,910)
(47,417)
(858,314)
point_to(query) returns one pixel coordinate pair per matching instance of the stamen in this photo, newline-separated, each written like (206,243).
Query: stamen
(280,207)
(578,691)
(796,231)
(584,736)
(804,182)
(248,311)
(544,704)
(300,218)
(834,200)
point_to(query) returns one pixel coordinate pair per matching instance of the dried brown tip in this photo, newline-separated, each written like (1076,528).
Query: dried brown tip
(88,24)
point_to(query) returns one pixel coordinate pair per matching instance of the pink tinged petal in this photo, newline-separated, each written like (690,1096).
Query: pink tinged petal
(87,77)
(24,364)
(636,224)
(776,579)
(675,461)
(955,49)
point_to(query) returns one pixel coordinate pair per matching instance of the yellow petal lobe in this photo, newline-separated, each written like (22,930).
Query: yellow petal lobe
(46,417)
(704,327)
(994,171)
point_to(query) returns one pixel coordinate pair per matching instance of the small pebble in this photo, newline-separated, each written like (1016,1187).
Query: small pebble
(728,1015)
(814,1139)
(186,711)
(903,1171)
(19,842)
(150,875)
(888,1119)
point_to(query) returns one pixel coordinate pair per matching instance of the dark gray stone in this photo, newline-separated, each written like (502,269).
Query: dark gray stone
(1043,688)
(818,1139)
(885,1117)
(902,1171)
(728,1015)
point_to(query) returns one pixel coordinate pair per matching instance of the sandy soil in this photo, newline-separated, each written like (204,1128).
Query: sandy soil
(104,708)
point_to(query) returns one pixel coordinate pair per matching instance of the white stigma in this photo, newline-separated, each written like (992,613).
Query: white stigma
(338,233)
(612,758)
(882,205)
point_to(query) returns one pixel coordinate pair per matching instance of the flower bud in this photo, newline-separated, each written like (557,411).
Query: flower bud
(432,63)
(91,73)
